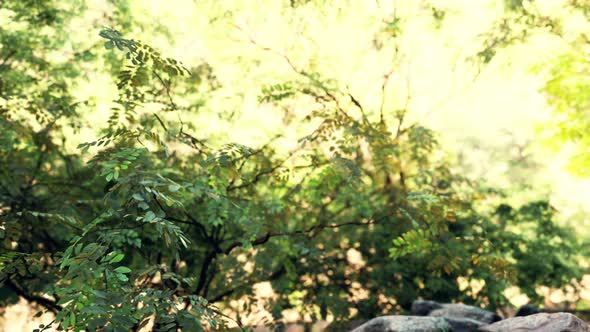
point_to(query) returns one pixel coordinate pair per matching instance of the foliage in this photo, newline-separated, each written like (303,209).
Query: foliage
(566,86)
(567,92)
(150,220)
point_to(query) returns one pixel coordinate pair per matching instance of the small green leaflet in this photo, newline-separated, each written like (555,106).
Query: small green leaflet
(117,258)
(149,216)
(123,269)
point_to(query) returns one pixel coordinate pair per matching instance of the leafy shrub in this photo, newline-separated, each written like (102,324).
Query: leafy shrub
(158,223)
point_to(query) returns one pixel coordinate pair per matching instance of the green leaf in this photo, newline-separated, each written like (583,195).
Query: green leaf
(117,258)
(72,319)
(109,177)
(173,187)
(99,294)
(149,216)
(169,327)
(123,269)
(94,309)
(122,277)
(78,248)
(109,45)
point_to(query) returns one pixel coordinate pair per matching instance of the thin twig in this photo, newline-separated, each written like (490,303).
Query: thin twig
(298,71)
(167,88)
(7,57)
(161,122)
(383,86)
(359,106)
(238,322)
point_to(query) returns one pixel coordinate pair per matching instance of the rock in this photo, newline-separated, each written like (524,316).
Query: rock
(339,326)
(542,322)
(432,308)
(464,324)
(527,310)
(405,324)
(423,308)
(465,311)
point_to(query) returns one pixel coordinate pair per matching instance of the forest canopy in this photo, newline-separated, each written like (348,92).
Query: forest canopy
(158,170)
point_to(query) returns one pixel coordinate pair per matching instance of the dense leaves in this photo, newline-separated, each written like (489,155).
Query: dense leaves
(148,221)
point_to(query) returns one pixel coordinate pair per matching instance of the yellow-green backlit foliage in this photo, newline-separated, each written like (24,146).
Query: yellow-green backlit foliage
(568,91)
(152,219)
(567,84)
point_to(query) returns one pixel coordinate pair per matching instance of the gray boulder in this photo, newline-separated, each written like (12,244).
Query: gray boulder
(464,324)
(465,311)
(423,307)
(405,324)
(542,322)
(432,308)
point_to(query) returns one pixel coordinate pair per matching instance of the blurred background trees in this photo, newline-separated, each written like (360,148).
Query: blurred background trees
(314,160)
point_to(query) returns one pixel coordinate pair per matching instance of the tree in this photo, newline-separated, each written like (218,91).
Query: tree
(566,84)
(151,220)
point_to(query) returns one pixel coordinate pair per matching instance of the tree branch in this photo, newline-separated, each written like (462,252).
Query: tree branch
(300,72)
(317,228)
(20,291)
(191,221)
(259,175)
(383,86)
(204,268)
(359,106)
(7,57)
(167,89)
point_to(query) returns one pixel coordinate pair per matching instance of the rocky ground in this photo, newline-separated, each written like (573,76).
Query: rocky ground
(430,316)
